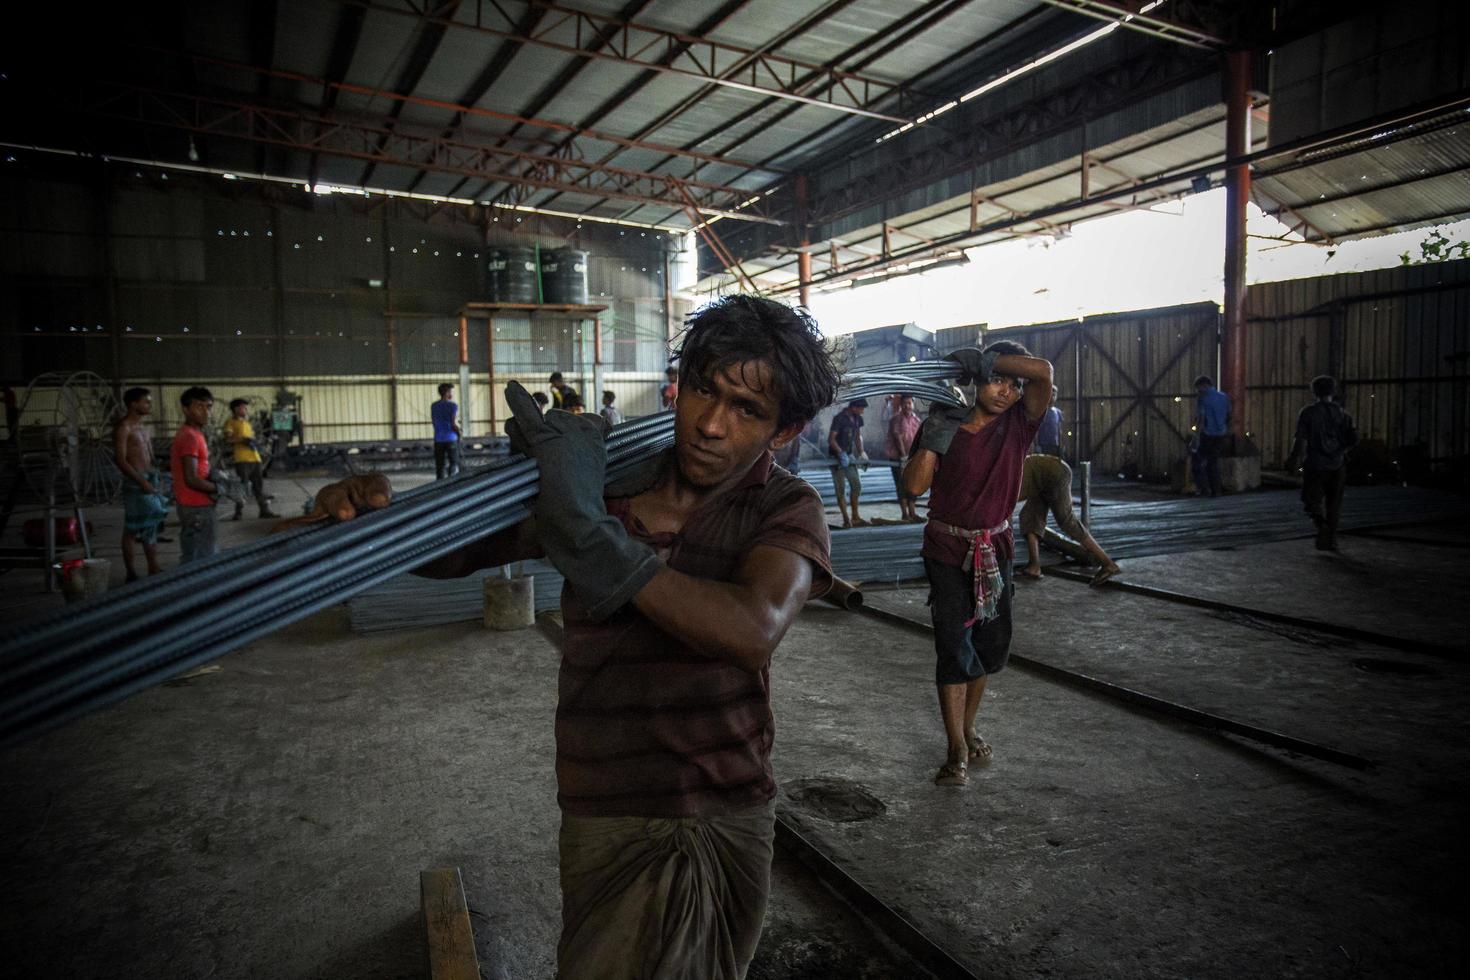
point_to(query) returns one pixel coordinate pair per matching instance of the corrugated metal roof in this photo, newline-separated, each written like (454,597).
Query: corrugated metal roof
(1387,181)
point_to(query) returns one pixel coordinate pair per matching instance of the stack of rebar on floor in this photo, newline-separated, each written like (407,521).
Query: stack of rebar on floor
(62,665)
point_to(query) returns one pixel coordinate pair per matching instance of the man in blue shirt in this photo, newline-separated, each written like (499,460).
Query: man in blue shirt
(1049,436)
(445,414)
(1212,422)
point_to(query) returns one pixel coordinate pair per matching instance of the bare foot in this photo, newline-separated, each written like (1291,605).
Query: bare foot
(1033,572)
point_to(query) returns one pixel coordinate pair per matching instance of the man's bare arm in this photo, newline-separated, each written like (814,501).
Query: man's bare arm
(742,621)
(1037,372)
(918,474)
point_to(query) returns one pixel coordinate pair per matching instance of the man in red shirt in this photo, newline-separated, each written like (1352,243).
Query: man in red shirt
(193,490)
(971,461)
(681,579)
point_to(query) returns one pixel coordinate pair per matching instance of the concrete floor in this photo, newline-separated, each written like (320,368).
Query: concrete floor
(270,819)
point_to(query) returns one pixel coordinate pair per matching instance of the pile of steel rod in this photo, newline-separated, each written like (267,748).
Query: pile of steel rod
(59,666)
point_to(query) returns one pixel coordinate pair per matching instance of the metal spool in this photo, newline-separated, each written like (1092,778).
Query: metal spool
(64,447)
(511,275)
(564,276)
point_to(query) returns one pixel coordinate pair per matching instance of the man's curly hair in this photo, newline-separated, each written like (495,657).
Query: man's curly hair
(733,330)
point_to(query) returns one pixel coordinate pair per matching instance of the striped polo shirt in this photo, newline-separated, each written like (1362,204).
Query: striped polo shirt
(647,726)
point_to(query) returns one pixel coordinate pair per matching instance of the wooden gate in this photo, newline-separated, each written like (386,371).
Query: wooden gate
(1125,382)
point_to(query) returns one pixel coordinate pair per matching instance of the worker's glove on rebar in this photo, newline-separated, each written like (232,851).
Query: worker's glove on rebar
(591,549)
(843,460)
(977,364)
(939,428)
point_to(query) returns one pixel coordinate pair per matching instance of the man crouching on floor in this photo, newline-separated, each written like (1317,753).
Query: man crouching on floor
(681,581)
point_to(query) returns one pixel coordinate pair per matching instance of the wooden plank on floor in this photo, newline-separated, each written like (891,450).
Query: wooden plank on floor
(451,940)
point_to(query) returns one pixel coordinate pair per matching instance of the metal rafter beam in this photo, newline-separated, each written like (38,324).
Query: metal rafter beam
(970,141)
(704,27)
(475,91)
(425,44)
(569,72)
(1131,16)
(384,143)
(699,58)
(344,47)
(923,20)
(462,110)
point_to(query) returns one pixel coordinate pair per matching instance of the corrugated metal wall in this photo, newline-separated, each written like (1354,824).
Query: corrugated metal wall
(1397,340)
(215,284)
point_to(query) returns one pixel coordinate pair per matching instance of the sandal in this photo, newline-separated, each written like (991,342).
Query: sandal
(1026,573)
(979,748)
(1104,573)
(952,774)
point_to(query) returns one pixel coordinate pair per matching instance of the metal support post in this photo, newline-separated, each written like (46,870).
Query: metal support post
(490,366)
(466,420)
(50,535)
(594,397)
(1085,467)
(1237,194)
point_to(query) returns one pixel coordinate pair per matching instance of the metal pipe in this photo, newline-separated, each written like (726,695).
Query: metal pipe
(1085,467)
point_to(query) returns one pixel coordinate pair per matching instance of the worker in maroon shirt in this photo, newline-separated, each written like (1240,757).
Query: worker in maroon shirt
(681,579)
(971,461)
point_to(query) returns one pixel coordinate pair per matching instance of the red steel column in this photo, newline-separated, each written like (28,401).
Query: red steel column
(1237,193)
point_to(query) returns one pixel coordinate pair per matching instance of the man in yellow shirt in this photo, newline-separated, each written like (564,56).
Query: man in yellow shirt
(240,436)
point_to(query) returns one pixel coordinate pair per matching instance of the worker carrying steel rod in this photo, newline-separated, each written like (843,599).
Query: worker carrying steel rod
(681,580)
(970,461)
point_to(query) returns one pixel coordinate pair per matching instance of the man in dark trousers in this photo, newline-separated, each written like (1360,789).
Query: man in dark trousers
(445,415)
(1212,422)
(1324,434)
(681,579)
(971,460)
(845,446)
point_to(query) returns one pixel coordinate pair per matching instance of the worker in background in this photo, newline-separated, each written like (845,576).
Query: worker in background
(609,411)
(681,579)
(573,403)
(1324,434)
(240,437)
(1049,436)
(971,461)
(560,390)
(194,492)
(903,426)
(669,393)
(144,504)
(1212,422)
(1046,484)
(445,416)
(845,446)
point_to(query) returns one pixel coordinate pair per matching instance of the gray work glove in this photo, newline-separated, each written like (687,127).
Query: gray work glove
(604,566)
(977,365)
(939,428)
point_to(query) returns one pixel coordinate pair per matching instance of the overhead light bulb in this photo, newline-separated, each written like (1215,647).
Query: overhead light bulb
(193,151)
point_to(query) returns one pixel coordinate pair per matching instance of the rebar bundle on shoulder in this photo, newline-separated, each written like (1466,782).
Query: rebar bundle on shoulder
(62,665)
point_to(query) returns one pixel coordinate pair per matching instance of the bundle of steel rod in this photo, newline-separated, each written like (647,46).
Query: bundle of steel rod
(62,665)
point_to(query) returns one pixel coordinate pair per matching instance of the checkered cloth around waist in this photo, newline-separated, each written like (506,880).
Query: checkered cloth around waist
(981,561)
